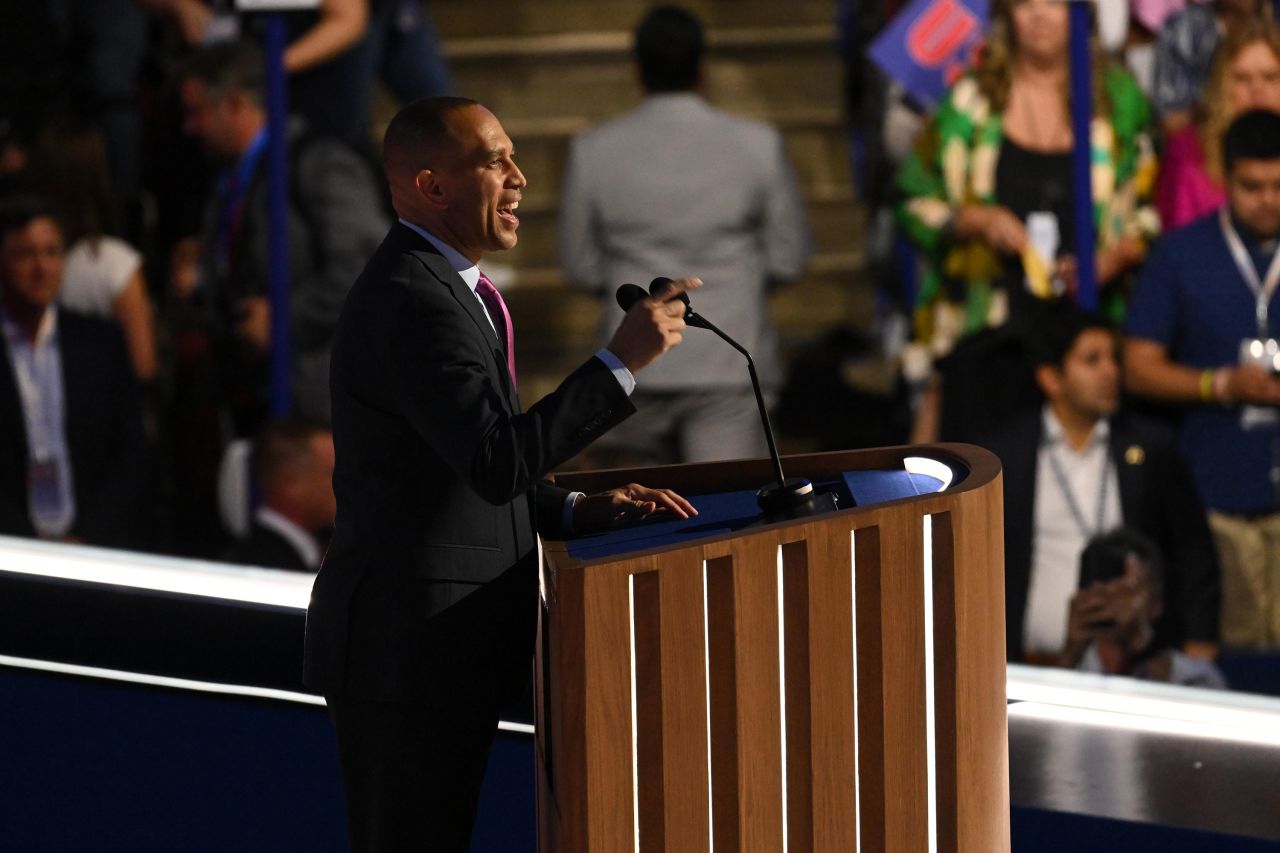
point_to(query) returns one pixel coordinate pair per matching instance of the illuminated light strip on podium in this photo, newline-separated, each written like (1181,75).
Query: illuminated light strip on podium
(782,700)
(857,743)
(930,691)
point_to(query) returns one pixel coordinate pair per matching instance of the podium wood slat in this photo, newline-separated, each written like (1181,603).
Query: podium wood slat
(902,641)
(747,643)
(607,647)
(982,773)
(834,812)
(684,680)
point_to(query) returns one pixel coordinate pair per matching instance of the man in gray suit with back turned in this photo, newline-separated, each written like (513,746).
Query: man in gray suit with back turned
(673,188)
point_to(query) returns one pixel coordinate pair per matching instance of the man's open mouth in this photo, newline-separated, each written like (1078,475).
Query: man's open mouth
(508,212)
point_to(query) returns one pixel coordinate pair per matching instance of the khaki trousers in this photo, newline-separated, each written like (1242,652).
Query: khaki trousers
(1249,554)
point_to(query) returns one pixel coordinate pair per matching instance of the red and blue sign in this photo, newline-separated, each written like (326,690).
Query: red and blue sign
(929,44)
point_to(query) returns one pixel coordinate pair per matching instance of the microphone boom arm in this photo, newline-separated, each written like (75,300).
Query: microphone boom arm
(693,318)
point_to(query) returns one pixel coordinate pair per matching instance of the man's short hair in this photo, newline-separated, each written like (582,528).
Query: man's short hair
(1058,325)
(17,212)
(1117,544)
(226,67)
(283,447)
(669,44)
(1252,136)
(421,127)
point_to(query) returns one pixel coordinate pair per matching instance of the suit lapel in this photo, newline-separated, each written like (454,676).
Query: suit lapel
(1129,457)
(79,390)
(470,303)
(1020,474)
(11,420)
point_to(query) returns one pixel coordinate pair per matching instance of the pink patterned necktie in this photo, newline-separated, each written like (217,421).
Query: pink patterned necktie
(501,319)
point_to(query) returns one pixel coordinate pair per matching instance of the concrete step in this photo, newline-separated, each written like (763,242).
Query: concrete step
(563,319)
(557,324)
(816,145)
(798,75)
(468,18)
(552,68)
(835,221)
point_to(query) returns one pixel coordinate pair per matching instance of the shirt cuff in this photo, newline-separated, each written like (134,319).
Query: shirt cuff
(566,514)
(620,372)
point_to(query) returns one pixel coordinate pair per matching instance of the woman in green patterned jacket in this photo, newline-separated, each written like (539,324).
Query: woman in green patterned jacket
(987,190)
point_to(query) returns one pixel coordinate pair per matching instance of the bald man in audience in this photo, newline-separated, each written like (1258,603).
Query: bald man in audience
(293,469)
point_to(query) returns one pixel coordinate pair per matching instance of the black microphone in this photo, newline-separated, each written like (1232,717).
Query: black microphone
(628,295)
(784,498)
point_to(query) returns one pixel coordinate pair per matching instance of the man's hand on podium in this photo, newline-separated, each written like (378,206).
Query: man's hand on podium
(631,502)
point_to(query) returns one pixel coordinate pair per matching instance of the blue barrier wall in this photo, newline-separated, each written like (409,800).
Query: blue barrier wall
(90,765)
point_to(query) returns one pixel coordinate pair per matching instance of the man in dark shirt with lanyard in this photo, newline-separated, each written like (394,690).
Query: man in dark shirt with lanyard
(1202,332)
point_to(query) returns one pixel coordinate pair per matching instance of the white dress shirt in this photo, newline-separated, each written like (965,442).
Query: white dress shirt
(1058,537)
(37,371)
(302,541)
(470,273)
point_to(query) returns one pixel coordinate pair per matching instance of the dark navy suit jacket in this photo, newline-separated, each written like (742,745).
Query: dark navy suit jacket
(439,475)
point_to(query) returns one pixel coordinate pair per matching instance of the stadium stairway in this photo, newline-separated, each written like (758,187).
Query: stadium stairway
(551,68)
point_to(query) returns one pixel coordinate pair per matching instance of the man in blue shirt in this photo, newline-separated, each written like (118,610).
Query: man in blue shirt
(1202,333)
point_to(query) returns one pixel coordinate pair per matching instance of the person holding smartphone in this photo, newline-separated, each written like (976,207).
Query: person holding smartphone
(1111,619)
(1076,469)
(1204,334)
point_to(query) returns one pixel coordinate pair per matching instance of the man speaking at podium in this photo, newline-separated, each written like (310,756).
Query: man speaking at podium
(422,618)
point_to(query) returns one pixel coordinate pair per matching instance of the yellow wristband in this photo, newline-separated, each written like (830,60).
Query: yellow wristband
(1206,386)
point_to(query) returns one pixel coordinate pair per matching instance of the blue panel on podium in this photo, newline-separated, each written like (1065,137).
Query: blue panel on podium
(726,512)
(873,487)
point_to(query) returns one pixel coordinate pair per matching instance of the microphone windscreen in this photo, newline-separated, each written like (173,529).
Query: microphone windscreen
(629,294)
(662,281)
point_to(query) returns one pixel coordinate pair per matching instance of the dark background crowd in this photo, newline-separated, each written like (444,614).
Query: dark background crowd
(1140,438)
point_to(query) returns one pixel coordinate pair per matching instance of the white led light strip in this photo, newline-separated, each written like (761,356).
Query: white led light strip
(930,710)
(782,697)
(706,671)
(244,690)
(149,572)
(635,724)
(857,744)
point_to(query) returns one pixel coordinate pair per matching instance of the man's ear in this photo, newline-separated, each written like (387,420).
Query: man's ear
(430,189)
(1049,379)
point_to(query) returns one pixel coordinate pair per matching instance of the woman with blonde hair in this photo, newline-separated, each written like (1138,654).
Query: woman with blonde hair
(1244,76)
(988,200)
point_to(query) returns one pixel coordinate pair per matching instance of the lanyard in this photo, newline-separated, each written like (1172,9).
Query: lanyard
(233,194)
(1262,290)
(1065,487)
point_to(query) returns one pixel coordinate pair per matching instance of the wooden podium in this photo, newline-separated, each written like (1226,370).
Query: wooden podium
(833,683)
